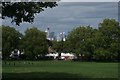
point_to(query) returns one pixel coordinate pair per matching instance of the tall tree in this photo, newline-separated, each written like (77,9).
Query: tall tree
(107,41)
(100,44)
(10,40)
(79,40)
(111,37)
(34,43)
(24,11)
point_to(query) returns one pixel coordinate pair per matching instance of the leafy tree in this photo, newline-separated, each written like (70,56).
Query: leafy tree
(100,44)
(24,11)
(110,30)
(102,55)
(34,43)
(106,41)
(60,46)
(10,40)
(79,39)
(56,46)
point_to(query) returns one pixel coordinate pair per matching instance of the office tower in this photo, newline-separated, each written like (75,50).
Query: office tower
(61,36)
(50,35)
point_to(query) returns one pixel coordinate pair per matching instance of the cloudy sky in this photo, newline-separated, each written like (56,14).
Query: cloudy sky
(68,15)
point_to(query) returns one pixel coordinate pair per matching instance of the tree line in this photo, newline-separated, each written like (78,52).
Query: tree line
(101,44)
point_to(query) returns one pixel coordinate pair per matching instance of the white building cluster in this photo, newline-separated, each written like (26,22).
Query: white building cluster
(64,56)
(61,36)
(51,36)
(52,53)
(16,54)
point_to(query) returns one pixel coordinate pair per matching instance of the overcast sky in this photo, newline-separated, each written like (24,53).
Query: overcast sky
(68,15)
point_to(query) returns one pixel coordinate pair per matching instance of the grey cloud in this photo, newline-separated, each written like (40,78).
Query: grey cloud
(67,15)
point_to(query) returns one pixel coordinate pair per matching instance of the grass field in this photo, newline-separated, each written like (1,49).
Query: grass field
(58,69)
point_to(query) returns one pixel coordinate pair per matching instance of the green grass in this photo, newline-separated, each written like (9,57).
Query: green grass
(59,69)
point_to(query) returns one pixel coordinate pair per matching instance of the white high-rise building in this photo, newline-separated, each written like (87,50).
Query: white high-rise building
(47,33)
(61,36)
(50,35)
(64,36)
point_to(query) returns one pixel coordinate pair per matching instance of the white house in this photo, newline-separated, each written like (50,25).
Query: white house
(67,56)
(55,55)
(16,54)
(63,56)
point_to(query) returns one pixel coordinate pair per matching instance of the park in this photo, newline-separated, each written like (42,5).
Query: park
(59,69)
(81,41)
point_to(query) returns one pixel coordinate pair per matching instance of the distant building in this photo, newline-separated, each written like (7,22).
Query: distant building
(50,35)
(61,36)
(63,56)
(17,54)
(47,33)
(67,56)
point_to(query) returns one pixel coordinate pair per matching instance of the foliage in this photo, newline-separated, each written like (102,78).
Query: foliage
(10,40)
(110,39)
(100,44)
(34,43)
(25,11)
(80,38)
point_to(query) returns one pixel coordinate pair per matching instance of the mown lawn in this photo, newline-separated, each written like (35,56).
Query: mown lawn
(58,69)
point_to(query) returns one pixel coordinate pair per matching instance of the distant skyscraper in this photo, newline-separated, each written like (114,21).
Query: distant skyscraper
(47,33)
(58,37)
(64,36)
(61,36)
(50,35)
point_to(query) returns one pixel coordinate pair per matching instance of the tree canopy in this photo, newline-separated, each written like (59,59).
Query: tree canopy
(100,44)
(10,40)
(24,11)
(34,43)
